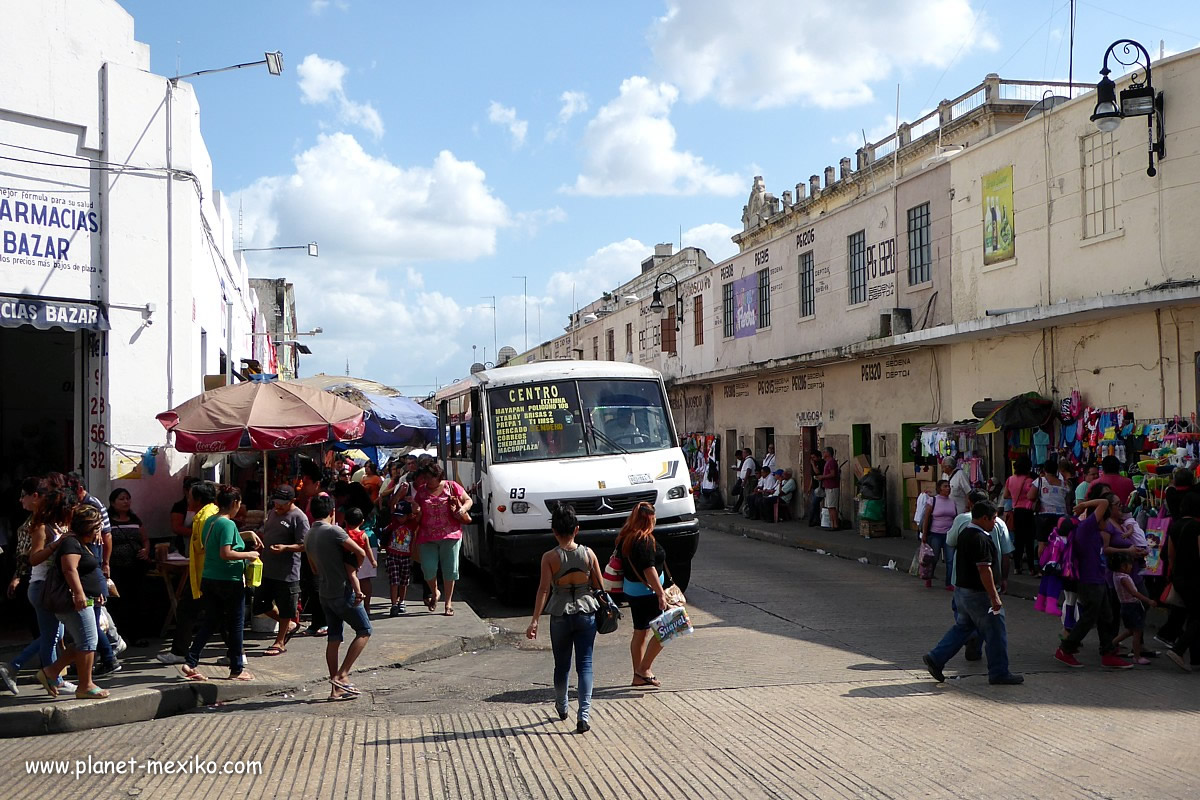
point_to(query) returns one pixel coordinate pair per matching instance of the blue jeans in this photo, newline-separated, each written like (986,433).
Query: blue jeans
(83,629)
(943,552)
(576,631)
(224,609)
(343,610)
(972,615)
(50,631)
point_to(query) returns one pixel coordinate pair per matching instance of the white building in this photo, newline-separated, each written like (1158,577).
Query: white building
(117,270)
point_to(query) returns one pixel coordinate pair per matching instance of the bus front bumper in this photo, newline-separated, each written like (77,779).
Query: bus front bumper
(521,551)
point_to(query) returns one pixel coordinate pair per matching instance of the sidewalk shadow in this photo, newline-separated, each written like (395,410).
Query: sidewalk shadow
(440,737)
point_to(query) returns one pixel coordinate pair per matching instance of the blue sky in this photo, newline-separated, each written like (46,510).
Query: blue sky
(436,150)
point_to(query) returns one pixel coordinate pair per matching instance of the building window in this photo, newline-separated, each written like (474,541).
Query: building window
(698,319)
(920,264)
(856,251)
(668,331)
(727,309)
(595,348)
(628,338)
(808,305)
(610,344)
(764,298)
(1099,184)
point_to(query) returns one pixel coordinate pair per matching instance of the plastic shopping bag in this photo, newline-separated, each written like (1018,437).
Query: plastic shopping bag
(671,624)
(928,561)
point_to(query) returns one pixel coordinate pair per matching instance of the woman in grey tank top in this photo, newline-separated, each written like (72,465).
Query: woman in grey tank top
(569,572)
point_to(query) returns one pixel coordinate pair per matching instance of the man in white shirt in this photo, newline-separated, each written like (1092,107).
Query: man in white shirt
(766,488)
(769,458)
(746,472)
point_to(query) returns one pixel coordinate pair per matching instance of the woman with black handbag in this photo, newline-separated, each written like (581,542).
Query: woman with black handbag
(73,587)
(568,574)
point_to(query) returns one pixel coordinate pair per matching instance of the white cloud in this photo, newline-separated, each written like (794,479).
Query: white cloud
(315,7)
(507,118)
(364,206)
(713,239)
(766,53)
(608,267)
(572,103)
(532,221)
(321,82)
(630,149)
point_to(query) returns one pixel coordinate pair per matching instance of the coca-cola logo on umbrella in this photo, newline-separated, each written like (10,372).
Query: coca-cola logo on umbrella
(209,447)
(285,443)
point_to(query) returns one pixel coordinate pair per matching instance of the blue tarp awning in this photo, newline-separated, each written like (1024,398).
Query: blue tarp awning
(396,421)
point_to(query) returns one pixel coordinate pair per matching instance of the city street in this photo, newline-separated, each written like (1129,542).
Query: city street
(803,679)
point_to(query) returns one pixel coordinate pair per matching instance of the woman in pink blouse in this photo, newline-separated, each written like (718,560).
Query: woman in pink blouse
(443,507)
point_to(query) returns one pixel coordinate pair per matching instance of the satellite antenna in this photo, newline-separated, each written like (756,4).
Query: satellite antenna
(477,367)
(506,354)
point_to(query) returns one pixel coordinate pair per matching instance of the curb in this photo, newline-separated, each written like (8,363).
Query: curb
(850,547)
(169,699)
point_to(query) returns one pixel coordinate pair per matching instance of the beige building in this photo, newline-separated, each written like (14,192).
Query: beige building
(1000,245)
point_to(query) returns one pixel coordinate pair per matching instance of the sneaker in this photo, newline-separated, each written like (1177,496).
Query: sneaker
(1113,662)
(398,609)
(583,726)
(6,678)
(66,687)
(933,668)
(170,658)
(106,668)
(1141,661)
(1179,662)
(1007,680)
(562,711)
(1067,658)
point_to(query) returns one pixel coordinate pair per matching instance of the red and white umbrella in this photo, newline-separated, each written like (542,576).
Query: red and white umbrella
(262,415)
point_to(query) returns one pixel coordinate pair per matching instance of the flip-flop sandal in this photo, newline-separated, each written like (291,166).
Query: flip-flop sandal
(345,687)
(94,693)
(287,637)
(190,676)
(47,684)
(334,698)
(646,681)
(274,650)
(244,676)
(449,612)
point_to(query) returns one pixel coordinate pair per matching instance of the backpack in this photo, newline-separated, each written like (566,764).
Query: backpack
(1066,531)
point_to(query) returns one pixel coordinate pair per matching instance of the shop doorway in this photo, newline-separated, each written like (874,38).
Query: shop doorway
(762,438)
(861,442)
(37,406)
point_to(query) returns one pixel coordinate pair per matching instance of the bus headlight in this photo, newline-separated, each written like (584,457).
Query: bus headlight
(676,492)
(520,507)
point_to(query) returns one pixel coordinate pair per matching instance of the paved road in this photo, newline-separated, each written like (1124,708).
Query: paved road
(803,680)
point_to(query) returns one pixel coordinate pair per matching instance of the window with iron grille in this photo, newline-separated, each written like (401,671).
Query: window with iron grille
(668,336)
(628,338)
(808,305)
(595,348)
(856,258)
(920,263)
(1100,178)
(698,319)
(610,345)
(727,310)
(764,298)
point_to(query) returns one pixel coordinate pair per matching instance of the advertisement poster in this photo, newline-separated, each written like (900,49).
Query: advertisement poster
(745,306)
(999,238)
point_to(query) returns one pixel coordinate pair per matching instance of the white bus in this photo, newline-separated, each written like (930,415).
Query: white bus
(595,434)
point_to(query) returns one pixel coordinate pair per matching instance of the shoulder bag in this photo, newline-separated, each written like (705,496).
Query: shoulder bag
(56,594)
(612,578)
(607,613)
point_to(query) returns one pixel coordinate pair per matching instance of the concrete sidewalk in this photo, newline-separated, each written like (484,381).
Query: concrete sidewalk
(845,544)
(145,689)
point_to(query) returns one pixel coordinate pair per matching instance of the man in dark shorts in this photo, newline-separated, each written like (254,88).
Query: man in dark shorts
(283,539)
(327,547)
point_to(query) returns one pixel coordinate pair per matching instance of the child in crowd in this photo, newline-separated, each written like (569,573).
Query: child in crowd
(1051,560)
(367,567)
(1133,612)
(397,553)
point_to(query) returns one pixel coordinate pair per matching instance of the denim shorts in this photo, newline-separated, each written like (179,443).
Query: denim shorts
(1133,616)
(340,610)
(81,627)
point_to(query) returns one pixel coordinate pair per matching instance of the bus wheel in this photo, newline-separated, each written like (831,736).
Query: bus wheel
(508,587)
(682,573)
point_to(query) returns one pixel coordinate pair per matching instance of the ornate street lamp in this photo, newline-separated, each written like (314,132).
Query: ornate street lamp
(656,301)
(1138,100)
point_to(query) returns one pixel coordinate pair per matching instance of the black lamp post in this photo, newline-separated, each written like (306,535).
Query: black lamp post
(1138,100)
(656,301)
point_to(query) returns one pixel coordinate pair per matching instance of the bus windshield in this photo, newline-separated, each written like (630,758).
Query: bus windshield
(574,418)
